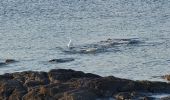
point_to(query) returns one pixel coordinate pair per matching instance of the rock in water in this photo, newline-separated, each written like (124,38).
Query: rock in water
(165,98)
(62,60)
(108,45)
(10,61)
(7,61)
(2,63)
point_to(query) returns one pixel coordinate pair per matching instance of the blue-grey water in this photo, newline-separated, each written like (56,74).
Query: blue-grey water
(32,31)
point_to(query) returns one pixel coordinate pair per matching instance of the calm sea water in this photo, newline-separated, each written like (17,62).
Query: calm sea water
(31,31)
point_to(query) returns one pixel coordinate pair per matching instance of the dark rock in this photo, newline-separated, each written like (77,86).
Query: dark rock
(104,86)
(11,88)
(2,63)
(131,96)
(165,98)
(123,96)
(28,75)
(35,95)
(62,60)
(10,61)
(67,84)
(108,45)
(33,83)
(79,95)
(55,90)
(7,61)
(48,92)
(61,75)
(6,76)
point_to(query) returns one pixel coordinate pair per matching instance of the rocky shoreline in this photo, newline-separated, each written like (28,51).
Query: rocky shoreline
(67,84)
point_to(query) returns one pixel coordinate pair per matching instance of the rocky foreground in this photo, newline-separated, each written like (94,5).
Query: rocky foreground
(66,84)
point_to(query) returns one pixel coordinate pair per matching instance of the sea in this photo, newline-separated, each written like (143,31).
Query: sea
(32,32)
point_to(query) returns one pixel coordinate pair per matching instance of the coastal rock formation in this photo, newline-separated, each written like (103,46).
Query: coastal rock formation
(67,84)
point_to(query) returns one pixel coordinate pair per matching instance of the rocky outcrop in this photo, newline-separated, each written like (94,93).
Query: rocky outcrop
(67,84)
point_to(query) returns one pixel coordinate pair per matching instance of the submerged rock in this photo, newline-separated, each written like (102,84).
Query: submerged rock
(67,84)
(108,45)
(165,98)
(62,60)
(2,64)
(7,61)
(10,61)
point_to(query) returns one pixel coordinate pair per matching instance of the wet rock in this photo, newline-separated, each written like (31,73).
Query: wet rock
(33,83)
(62,75)
(167,77)
(55,90)
(165,98)
(67,84)
(108,45)
(35,95)
(48,92)
(123,96)
(29,75)
(79,95)
(6,76)
(131,96)
(62,60)
(134,42)
(7,61)
(11,89)
(2,63)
